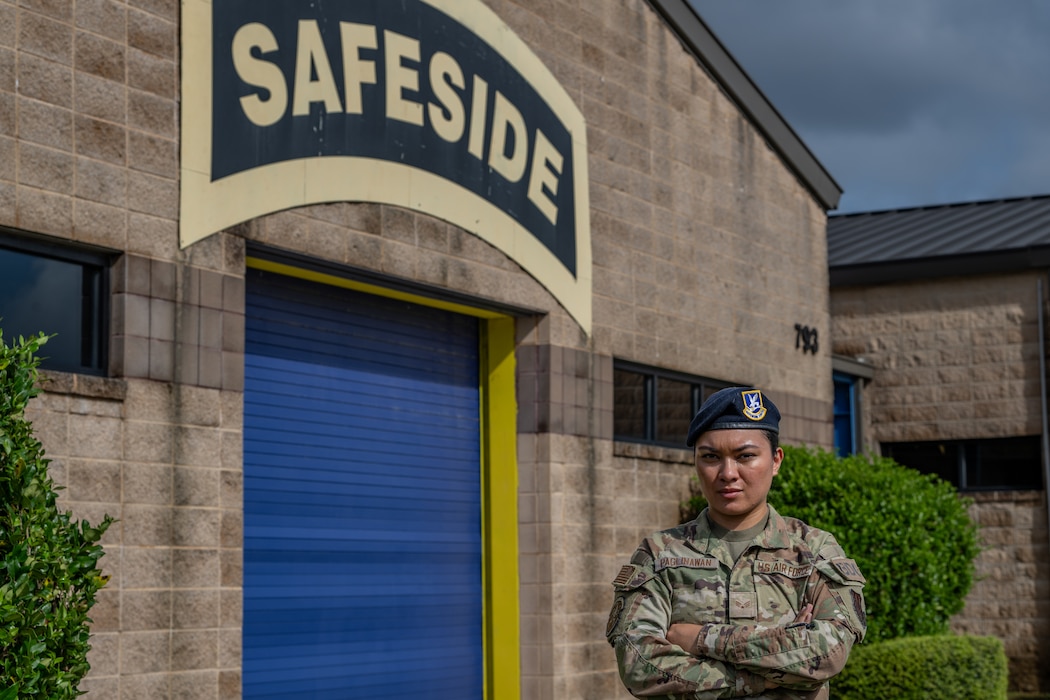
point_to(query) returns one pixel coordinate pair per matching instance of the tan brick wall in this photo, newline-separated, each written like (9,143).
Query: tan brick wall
(1009,596)
(954,358)
(88,108)
(165,461)
(707,250)
(593,507)
(177,322)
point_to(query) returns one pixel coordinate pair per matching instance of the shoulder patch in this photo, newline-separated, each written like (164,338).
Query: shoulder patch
(614,616)
(631,576)
(848,569)
(858,607)
(625,575)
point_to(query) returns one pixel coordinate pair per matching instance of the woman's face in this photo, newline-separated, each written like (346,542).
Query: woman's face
(736,469)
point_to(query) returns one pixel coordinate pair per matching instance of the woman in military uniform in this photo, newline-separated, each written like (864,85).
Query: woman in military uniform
(740,602)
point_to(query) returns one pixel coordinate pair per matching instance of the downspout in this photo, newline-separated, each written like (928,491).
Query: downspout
(1042,399)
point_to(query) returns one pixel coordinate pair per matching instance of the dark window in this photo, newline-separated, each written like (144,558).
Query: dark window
(975,465)
(60,291)
(629,401)
(656,406)
(674,409)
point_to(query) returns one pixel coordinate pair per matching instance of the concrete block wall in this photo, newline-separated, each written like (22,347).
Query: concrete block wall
(707,250)
(954,358)
(411,246)
(804,420)
(592,503)
(88,153)
(88,115)
(1010,598)
(564,390)
(165,462)
(176,322)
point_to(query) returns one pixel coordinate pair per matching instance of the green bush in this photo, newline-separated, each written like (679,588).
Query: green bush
(48,563)
(925,668)
(909,532)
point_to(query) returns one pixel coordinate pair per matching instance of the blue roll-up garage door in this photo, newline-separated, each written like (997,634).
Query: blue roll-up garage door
(362,532)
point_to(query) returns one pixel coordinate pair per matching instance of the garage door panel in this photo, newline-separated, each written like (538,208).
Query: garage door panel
(439,380)
(389,362)
(365,340)
(326,470)
(387,432)
(362,496)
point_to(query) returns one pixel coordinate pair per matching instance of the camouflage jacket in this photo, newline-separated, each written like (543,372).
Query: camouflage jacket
(747,611)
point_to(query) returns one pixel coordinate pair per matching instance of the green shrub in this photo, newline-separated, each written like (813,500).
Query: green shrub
(909,532)
(925,668)
(48,563)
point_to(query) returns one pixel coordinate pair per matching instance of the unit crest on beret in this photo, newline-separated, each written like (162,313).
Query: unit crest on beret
(734,408)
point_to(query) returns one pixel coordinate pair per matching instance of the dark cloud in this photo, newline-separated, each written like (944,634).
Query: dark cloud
(906,102)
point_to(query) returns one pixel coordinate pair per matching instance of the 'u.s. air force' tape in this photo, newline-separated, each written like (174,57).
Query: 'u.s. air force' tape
(783,568)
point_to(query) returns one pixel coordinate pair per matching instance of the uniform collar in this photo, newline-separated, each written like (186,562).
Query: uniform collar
(774,536)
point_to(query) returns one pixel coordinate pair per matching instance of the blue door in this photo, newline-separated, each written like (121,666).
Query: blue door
(845,401)
(362,512)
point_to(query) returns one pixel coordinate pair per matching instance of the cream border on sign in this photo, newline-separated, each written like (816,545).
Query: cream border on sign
(208,207)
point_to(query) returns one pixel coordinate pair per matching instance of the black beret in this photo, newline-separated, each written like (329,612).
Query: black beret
(734,408)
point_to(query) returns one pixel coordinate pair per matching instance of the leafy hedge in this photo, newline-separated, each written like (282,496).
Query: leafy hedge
(48,563)
(909,532)
(925,668)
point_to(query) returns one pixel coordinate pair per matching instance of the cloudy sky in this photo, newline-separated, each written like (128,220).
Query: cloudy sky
(905,102)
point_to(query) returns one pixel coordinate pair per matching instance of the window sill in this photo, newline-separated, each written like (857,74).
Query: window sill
(82,385)
(658,453)
(1004,496)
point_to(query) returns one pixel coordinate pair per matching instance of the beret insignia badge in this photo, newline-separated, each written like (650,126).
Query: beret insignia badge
(753,407)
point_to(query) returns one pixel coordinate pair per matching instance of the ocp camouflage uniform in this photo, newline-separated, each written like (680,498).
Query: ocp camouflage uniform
(747,611)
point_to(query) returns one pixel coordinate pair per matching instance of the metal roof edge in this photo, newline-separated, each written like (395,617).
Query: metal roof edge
(713,55)
(984,263)
(928,207)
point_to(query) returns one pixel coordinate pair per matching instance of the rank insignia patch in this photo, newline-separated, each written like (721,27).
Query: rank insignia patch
(741,605)
(753,407)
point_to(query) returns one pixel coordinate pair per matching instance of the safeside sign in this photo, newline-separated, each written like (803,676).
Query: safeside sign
(433,105)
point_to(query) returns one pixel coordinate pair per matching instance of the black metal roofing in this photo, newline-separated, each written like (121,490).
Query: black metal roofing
(698,38)
(951,239)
